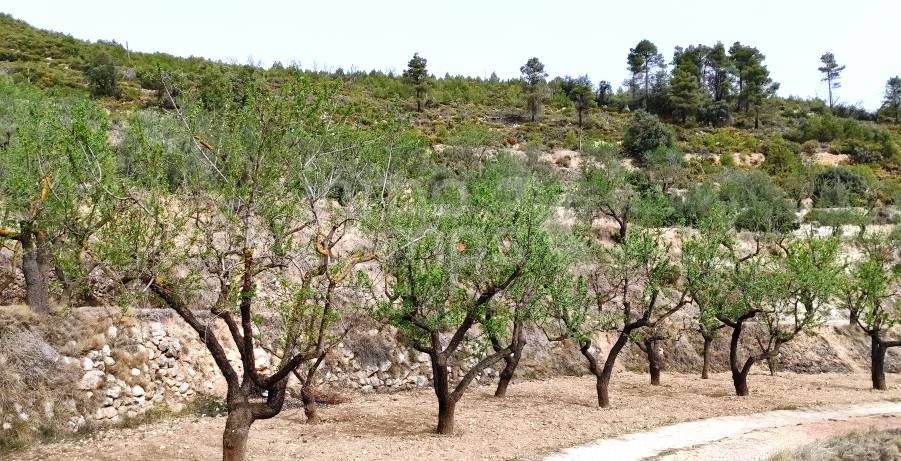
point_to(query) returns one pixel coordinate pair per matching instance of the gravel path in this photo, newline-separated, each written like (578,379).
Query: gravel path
(747,437)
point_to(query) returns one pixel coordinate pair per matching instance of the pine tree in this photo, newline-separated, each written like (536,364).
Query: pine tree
(831,73)
(643,60)
(892,101)
(417,76)
(686,93)
(533,77)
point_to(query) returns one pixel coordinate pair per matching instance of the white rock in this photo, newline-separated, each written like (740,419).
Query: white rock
(91,380)
(105,413)
(384,366)
(114,392)
(422,357)
(183,388)
(109,361)
(135,372)
(112,332)
(87,364)
(421,381)
(137,391)
(106,350)
(7,426)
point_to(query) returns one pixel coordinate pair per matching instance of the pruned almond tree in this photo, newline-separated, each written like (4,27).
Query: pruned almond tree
(56,187)
(265,213)
(870,291)
(449,261)
(626,287)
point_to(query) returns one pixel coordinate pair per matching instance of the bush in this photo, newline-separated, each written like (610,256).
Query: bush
(101,74)
(832,217)
(782,157)
(839,187)
(645,133)
(810,147)
(697,203)
(762,206)
(716,113)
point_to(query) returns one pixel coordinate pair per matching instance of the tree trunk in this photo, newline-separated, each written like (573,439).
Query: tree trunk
(510,363)
(308,397)
(739,374)
(446,404)
(772,364)
(877,363)
(853,315)
(36,269)
(740,381)
(705,369)
(653,361)
(602,385)
(234,439)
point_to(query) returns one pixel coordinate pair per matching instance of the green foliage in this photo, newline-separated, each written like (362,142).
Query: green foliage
(782,157)
(645,133)
(533,79)
(101,74)
(762,206)
(722,141)
(417,76)
(840,187)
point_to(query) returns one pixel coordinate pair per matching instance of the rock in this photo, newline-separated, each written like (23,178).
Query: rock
(422,357)
(87,364)
(261,359)
(137,391)
(170,347)
(105,413)
(7,426)
(366,389)
(421,381)
(106,350)
(112,332)
(157,330)
(183,388)
(114,392)
(91,380)
(109,361)
(135,372)
(384,366)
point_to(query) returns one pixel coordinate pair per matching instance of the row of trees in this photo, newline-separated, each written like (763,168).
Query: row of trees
(706,83)
(256,184)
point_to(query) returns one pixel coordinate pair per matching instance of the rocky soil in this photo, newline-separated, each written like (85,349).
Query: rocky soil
(536,419)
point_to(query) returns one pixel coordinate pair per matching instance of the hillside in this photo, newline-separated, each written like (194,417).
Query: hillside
(183,236)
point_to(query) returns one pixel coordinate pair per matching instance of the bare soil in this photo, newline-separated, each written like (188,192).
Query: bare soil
(536,418)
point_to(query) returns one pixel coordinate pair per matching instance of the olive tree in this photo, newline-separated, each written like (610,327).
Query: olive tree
(447,263)
(57,186)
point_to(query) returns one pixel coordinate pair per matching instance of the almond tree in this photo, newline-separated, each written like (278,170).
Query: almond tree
(871,293)
(269,191)
(449,261)
(56,186)
(629,286)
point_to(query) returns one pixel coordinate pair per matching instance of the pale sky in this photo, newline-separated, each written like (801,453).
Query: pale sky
(477,37)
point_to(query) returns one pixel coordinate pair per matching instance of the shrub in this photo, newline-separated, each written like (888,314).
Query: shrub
(716,113)
(782,157)
(101,74)
(839,187)
(762,206)
(810,147)
(645,133)
(698,201)
(832,217)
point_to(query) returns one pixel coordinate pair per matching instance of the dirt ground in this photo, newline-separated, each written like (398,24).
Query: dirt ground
(535,419)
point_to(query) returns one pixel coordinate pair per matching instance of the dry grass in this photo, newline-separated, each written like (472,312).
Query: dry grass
(884,445)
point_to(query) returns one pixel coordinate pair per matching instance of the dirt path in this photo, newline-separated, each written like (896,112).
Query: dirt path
(748,437)
(537,418)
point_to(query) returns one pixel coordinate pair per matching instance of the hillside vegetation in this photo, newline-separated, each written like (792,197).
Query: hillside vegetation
(290,204)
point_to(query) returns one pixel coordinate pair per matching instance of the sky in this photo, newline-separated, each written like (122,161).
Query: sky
(475,38)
